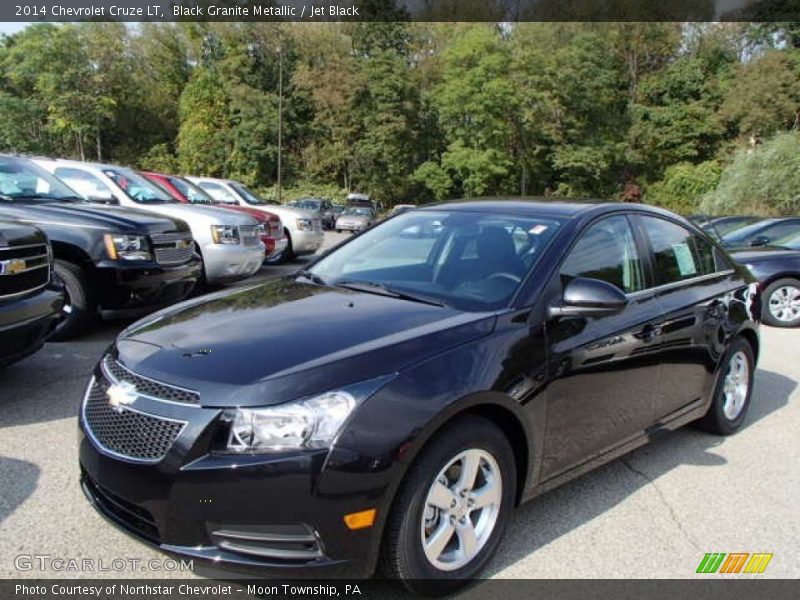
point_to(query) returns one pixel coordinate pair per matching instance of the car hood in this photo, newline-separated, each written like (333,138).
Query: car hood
(283,340)
(198,215)
(752,255)
(97,216)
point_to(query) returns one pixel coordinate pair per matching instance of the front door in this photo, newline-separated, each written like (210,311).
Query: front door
(604,371)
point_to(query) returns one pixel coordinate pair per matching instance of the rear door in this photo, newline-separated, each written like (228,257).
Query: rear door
(693,285)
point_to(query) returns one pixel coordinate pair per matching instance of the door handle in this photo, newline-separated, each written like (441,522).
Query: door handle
(650,332)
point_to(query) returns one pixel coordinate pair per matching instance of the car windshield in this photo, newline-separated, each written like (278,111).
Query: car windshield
(191,192)
(137,188)
(248,196)
(307,204)
(472,261)
(22,180)
(361,212)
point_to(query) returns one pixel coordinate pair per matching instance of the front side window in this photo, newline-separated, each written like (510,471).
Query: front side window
(20,179)
(190,191)
(679,253)
(471,261)
(137,188)
(606,251)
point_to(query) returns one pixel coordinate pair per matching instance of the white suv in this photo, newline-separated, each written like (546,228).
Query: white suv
(228,242)
(303,228)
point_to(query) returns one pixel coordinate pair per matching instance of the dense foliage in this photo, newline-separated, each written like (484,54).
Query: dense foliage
(667,112)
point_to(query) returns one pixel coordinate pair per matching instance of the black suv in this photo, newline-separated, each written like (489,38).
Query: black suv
(30,301)
(112,260)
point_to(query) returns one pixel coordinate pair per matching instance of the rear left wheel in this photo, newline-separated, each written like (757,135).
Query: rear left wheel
(452,509)
(731,401)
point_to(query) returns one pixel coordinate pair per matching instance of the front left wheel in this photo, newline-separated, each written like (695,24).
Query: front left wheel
(452,508)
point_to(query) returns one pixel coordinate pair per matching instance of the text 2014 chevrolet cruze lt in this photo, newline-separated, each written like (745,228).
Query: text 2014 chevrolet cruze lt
(395,401)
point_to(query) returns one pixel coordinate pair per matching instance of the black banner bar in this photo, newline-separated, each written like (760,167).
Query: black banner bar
(399,10)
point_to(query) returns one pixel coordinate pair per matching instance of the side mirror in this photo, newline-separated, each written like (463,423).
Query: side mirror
(761,240)
(584,297)
(102,199)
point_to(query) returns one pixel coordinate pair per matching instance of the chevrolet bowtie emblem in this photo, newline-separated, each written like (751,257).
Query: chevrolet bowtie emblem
(121,395)
(13,266)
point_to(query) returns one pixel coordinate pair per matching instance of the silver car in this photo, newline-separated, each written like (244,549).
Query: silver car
(228,242)
(355,219)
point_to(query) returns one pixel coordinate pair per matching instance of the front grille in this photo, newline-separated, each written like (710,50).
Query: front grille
(127,513)
(125,432)
(148,387)
(172,248)
(316,224)
(23,269)
(249,234)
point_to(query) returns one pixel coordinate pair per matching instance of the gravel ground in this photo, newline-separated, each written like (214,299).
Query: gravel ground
(651,514)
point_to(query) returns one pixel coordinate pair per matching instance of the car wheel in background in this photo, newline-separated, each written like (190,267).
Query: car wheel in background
(80,305)
(286,255)
(733,391)
(781,303)
(452,508)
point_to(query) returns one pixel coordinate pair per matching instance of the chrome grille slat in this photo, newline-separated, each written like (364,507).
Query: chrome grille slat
(31,269)
(128,434)
(172,248)
(146,386)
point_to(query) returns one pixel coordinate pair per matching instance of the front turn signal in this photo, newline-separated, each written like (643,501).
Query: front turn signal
(360,520)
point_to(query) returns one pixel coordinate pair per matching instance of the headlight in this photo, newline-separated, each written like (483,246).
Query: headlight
(304,224)
(225,234)
(126,247)
(304,424)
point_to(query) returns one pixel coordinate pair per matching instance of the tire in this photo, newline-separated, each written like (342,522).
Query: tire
(730,404)
(285,256)
(80,304)
(338,231)
(411,517)
(781,303)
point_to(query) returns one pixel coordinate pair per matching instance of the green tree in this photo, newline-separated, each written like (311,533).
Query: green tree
(684,186)
(764,180)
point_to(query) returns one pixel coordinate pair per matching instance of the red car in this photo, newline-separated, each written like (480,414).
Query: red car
(185,191)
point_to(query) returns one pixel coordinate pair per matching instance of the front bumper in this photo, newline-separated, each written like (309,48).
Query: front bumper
(351,226)
(25,323)
(306,242)
(267,515)
(130,286)
(225,263)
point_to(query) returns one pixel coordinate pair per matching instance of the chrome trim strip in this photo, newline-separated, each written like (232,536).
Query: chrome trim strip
(678,284)
(116,381)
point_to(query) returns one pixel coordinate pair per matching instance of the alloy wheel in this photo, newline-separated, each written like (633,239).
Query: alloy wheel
(736,385)
(784,303)
(461,509)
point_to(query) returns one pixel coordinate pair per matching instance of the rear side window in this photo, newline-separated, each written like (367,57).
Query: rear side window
(679,253)
(217,192)
(87,185)
(606,251)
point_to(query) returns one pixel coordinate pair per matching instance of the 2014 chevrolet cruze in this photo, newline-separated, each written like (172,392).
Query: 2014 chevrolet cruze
(393,402)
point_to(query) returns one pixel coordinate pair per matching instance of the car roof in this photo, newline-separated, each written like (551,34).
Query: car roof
(557,207)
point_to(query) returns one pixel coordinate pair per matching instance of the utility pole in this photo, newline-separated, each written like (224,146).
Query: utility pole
(280,120)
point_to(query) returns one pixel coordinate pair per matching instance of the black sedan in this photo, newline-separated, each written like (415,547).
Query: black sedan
(762,233)
(395,401)
(777,268)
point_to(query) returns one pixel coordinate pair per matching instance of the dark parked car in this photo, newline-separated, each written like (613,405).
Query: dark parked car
(762,233)
(777,268)
(30,299)
(720,226)
(321,206)
(112,260)
(422,388)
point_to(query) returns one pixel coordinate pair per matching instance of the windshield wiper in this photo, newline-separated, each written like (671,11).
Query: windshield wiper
(380,288)
(312,277)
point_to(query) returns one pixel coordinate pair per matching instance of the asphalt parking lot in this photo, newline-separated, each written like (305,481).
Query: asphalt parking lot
(651,514)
